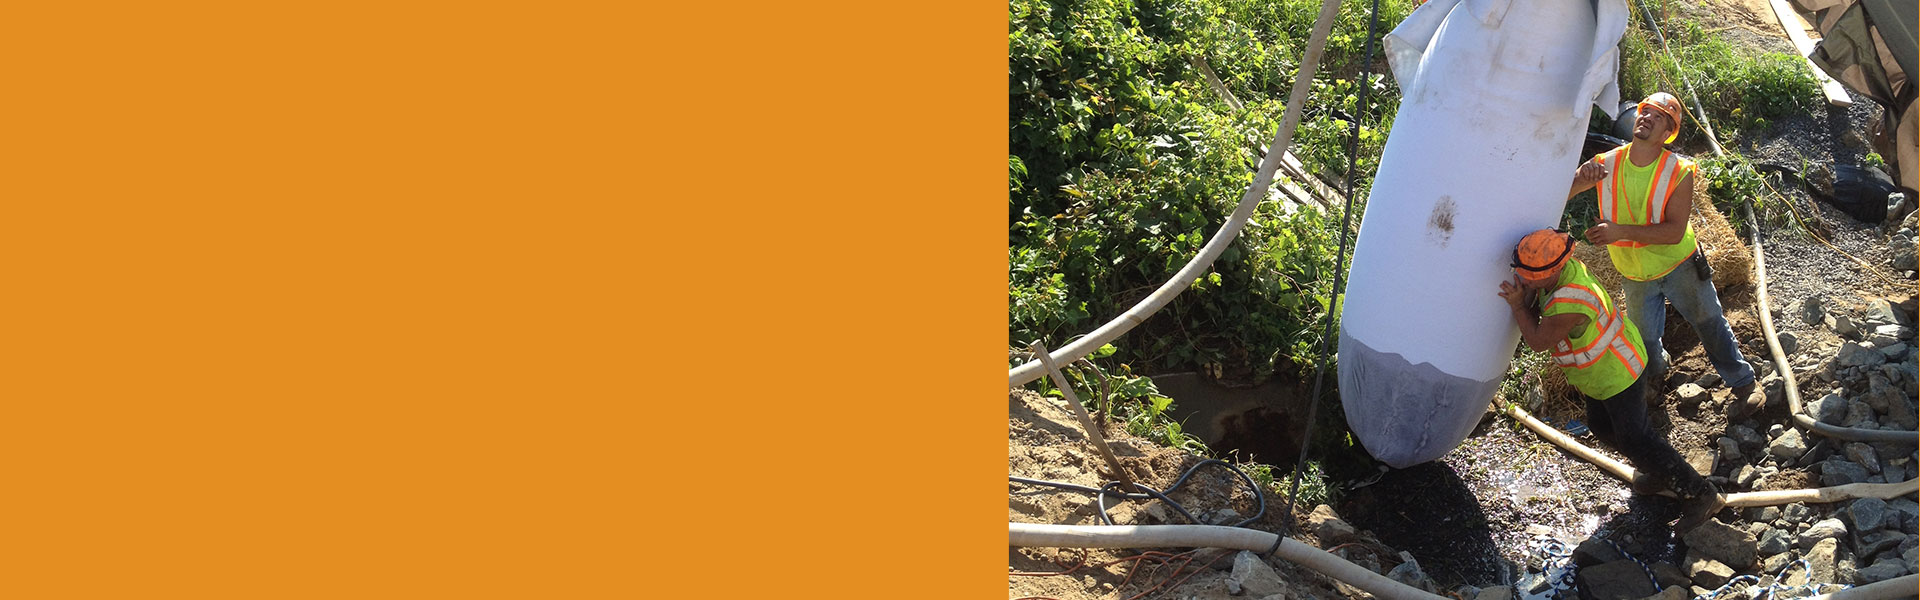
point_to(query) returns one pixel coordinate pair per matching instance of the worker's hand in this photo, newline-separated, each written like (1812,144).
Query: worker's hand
(1589,173)
(1513,293)
(1603,233)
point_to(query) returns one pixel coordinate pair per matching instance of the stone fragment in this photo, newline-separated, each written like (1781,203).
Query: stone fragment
(1879,542)
(1796,512)
(1774,541)
(1840,472)
(1595,551)
(1722,542)
(1821,559)
(1617,580)
(1842,325)
(1691,393)
(1763,514)
(1856,354)
(1880,570)
(1866,515)
(1329,527)
(1788,446)
(1708,573)
(1253,577)
(1812,312)
(1408,572)
(1859,414)
(1825,529)
(1774,563)
(1498,592)
(1830,409)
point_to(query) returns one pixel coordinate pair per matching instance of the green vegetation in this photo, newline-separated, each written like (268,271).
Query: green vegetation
(1742,93)
(1123,160)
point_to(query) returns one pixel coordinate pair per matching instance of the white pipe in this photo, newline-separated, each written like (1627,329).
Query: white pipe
(1898,587)
(1211,536)
(1836,493)
(1216,245)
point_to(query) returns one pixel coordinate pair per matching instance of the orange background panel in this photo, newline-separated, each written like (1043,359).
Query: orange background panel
(548,300)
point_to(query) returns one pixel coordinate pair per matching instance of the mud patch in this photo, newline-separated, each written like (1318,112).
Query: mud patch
(1440,224)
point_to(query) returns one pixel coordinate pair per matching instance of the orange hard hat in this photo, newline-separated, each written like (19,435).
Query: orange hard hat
(1669,106)
(1541,254)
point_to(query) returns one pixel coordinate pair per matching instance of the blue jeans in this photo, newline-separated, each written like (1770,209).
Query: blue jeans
(1699,304)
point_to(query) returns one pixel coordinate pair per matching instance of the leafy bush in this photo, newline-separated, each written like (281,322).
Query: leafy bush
(1741,94)
(1122,160)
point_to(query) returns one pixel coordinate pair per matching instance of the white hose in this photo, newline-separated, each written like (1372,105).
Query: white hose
(1898,587)
(1217,244)
(1211,536)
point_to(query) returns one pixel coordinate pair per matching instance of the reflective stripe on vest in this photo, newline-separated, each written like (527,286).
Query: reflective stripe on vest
(1665,178)
(1610,341)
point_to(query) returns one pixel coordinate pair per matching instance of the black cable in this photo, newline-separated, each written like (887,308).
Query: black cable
(1339,279)
(1112,489)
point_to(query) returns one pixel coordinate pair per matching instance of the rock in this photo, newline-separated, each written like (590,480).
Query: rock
(1860,415)
(1796,512)
(1774,563)
(1830,409)
(1224,516)
(1747,437)
(1595,551)
(1882,393)
(1856,354)
(1253,577)
(1819,451)
(1905,257)
(1722,542)
(1866,515)
(1812,312)
(1789,343)
(1730,449)
(1826,529)
(1822,562)
(1880,311)
(1691,393)
(1844,566)
(1911,558)
(1879,542)
(1670,576)
(1329,528)
(1701,459)
(1708,380)
(1841,472)
(1617,580)
(1788,446)
(1901,414)
(1677,592)
(1881,570)
(1774,541)
(1408,572)
(1843,326)
(1498,592)
(1745,475)
(1908,509)
(1864,455)
(1707,573)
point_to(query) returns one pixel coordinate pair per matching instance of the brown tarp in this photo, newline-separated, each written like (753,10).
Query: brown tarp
(1869,47)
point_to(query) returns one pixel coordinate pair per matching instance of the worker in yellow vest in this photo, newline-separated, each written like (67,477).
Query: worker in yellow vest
(1646,195)
(1562,310)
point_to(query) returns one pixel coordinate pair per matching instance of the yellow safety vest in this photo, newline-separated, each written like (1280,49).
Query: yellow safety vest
(1635,260)
(1606,355)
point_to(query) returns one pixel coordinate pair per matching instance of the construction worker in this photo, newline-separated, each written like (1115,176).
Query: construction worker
(1645,195)
(1561,309)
